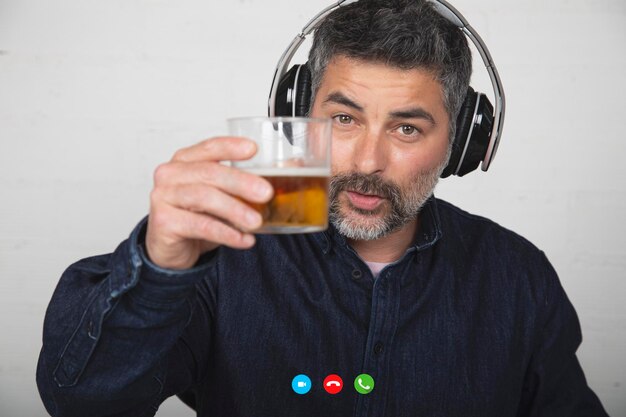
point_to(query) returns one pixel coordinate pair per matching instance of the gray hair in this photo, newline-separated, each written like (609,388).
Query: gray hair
(405,34)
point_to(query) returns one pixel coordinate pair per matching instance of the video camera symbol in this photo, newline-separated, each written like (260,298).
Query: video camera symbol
(301,384)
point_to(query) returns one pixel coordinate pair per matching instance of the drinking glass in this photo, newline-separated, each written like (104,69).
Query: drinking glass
(293,154)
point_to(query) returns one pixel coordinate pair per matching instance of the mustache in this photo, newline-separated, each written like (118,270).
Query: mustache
(364,184)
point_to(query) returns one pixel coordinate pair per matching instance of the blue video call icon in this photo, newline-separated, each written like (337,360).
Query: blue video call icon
(301,384)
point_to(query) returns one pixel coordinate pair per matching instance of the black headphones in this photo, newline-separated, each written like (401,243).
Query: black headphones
(478,128)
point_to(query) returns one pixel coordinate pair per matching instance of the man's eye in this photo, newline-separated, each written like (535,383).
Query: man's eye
(343,119)
(409,130)
(408,133)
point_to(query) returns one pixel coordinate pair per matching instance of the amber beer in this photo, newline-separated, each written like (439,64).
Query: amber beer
(300,202)
(293,154)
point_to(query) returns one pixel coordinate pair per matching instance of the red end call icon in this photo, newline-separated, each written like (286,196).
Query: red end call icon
(333,384)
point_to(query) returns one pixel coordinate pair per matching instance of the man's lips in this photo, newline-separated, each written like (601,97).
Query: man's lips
(364,201)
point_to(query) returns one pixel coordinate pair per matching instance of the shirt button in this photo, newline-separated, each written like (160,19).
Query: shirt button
(378,348)
(356,274)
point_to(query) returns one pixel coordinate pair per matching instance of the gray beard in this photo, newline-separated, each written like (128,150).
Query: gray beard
(401,205)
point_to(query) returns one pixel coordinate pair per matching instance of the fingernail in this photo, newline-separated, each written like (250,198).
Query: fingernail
(248,240)
(263,190)
(253,219)
(249,147)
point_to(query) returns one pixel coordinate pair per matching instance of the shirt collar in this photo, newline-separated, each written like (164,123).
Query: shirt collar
(428,234)
(429,231)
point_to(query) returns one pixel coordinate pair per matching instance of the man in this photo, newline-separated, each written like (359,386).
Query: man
(448,313)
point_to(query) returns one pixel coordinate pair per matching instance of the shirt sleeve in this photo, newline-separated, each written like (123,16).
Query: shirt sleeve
(118,334)
(555,385)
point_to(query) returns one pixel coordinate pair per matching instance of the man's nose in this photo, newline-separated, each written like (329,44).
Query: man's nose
(370,153)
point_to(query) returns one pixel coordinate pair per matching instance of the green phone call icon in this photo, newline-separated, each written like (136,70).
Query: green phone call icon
(364,384)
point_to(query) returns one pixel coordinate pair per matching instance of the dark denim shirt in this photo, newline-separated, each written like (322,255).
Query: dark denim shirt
(471,321)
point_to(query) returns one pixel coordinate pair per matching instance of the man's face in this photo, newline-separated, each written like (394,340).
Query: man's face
(390,144)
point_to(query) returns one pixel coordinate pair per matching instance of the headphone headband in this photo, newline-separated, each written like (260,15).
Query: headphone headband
(449,13)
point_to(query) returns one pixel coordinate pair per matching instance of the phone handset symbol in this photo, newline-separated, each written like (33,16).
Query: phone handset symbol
(364,384)
(333,384)
(360,382)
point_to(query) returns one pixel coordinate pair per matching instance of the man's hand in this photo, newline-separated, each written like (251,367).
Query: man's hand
(195,205)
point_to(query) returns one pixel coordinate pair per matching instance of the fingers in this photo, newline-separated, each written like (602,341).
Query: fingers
(195,204)
(176,222)
(212,201)
(226,148)
(231,180)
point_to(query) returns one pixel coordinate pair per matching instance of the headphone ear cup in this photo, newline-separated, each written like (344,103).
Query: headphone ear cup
(474,127)
(479,136)
(463,126)
(303,91)
(293,95)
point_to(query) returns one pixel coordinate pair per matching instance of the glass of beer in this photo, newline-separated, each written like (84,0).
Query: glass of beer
(293,154)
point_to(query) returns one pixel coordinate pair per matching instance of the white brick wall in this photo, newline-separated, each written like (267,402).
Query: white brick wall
(94,94)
